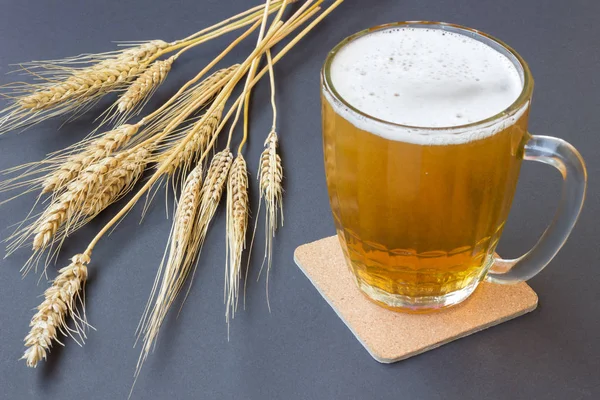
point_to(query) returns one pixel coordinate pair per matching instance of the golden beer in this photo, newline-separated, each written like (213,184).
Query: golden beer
(419,220)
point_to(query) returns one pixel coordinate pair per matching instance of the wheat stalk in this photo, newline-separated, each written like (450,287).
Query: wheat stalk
(98,186)
(60,302)
(65,89)
(237,224)
(217,176)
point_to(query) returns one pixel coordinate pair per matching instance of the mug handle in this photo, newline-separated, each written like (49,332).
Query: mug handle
(567,160)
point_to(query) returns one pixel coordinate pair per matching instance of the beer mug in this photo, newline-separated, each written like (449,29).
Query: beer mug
(424,131)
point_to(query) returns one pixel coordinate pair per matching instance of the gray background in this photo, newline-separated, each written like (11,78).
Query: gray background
(302,350)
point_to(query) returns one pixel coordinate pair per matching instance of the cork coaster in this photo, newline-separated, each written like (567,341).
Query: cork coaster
(392,336)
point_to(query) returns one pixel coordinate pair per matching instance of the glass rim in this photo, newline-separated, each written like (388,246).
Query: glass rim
(509,111)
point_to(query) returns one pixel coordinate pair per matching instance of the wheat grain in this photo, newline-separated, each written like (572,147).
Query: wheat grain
(60,302)
(95,80)
(97,149)
(144,85)
(237,224)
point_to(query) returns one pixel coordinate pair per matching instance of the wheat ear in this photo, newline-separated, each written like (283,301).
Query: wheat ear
(271,191)
(212,189)
(64,89)
(68,204)
(99,148)
(95,188)
(237,224)
(89,82)
(60,302)
(198,137)
(129,166)
(144,86)
(172,274)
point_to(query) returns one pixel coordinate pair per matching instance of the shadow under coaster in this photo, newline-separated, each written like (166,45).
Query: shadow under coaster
(393,336)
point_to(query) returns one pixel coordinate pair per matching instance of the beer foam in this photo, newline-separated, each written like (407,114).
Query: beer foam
(423,77)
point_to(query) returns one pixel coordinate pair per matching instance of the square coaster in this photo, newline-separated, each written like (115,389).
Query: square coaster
(393,336)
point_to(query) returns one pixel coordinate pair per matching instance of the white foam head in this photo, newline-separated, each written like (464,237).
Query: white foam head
(422,77)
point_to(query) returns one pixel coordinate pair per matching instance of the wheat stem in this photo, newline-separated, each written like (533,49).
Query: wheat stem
(257,10)
(98,186)
(98,79)
(67,89)
(253,68)
(272,84)
(201,73)
(234,26)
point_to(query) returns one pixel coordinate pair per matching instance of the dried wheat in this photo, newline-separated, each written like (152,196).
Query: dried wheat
(125,172)
(270,179)
(271,191)
(66,87)
(143,87)
(197,138)
(237,224)
(68,205)
(89,192)
(97,149)
(213,186)
(211,192)
(60,302)
(97,79)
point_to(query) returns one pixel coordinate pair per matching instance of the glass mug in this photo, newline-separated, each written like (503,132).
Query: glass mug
(418,221)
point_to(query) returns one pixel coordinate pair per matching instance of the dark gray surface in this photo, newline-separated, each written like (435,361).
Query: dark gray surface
(302,350)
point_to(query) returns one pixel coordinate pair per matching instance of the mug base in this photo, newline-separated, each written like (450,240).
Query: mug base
(416,305)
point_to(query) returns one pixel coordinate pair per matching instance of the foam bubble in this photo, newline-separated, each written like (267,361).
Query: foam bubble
(424,77)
